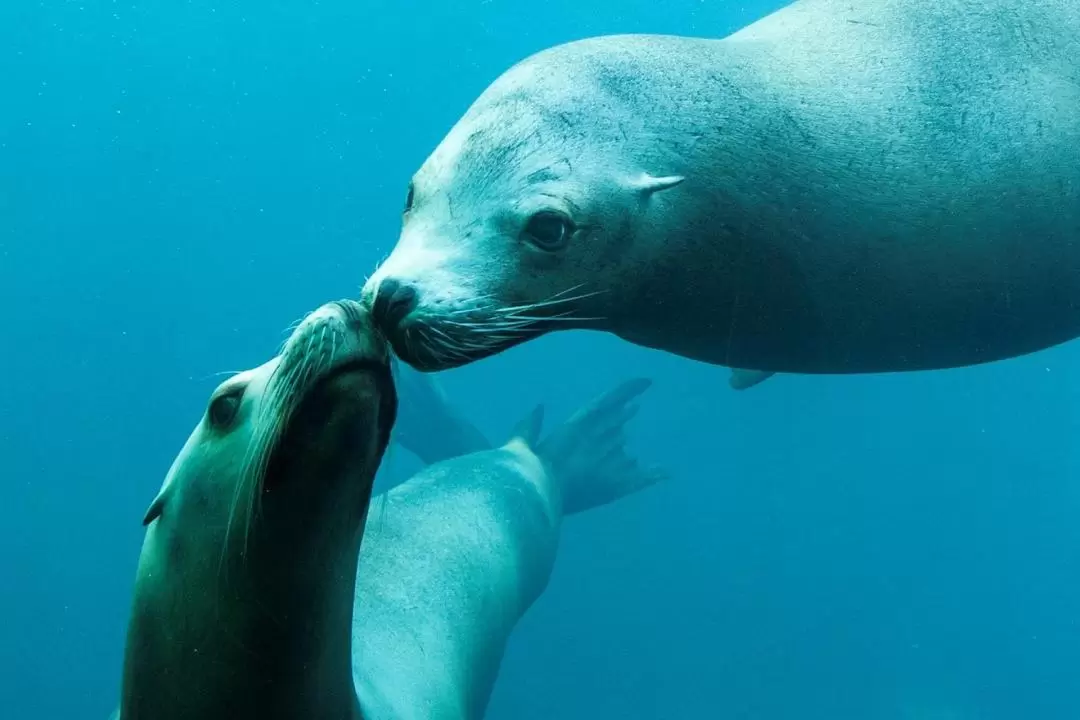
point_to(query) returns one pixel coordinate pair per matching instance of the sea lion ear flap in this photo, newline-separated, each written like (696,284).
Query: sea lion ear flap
(528,429)
(647,185)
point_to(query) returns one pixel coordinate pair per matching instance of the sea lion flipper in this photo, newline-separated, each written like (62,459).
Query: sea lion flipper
(743,379)
(528,428)
(587,453)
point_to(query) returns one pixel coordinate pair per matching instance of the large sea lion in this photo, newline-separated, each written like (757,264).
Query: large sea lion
(250,601)
(840,187)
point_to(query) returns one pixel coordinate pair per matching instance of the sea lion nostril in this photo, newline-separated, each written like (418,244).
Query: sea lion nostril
(393,301)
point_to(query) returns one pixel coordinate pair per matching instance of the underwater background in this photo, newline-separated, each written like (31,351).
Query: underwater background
(181,180)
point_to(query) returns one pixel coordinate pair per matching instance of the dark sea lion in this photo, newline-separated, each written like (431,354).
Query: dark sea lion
(243,602)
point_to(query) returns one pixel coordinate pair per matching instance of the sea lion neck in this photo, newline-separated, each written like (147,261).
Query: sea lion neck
(271,640)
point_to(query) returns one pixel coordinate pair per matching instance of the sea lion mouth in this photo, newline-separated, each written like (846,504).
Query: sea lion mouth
(330,420)
(376,369)
(435,342)
(333,378)
(432,332)
(439,326)
(381,375)
(434,346)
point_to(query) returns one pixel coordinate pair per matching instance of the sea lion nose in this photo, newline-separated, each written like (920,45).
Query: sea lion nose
(393,301)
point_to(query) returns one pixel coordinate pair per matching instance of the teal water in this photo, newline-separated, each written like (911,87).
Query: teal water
(181,180)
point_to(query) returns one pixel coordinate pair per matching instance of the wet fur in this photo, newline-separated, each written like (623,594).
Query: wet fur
(887,185)
(260,628)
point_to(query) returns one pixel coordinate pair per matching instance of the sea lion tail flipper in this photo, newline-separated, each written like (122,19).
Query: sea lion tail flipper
(587,453)
(528,428)
(743,379)
(427,424)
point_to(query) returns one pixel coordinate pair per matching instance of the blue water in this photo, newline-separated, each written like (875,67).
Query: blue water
(180,180)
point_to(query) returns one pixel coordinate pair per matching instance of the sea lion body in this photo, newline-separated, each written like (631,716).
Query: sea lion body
(455,556)
(451,561)
(839,187)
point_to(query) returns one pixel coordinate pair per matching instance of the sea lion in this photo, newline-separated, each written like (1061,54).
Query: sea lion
(243,601)
(840,187)
(455,556)
(249,598)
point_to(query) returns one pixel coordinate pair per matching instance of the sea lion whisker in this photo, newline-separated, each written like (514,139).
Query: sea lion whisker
(449,344)
(478,338)
(425,344)
(408,339)
(554,300)
(482,323)
(489,325)
(221,373)
(490,334)
(284,381)
(442,350)
(430,348)
(570,289)
(568,315)
(290,329)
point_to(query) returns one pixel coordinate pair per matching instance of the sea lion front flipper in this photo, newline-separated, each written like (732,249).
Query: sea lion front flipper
(528,428)
(743,379)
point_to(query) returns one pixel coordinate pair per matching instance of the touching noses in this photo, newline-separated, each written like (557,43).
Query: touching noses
(394,300)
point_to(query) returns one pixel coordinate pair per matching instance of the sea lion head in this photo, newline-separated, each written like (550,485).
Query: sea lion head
(529,216)
(318,414)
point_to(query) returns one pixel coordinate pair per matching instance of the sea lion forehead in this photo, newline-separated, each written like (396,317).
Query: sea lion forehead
(516,141)
(492,137)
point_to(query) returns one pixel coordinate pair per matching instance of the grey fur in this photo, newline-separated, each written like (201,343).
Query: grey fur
(883,185)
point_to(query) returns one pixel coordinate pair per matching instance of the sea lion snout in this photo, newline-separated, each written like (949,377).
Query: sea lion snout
(393,302)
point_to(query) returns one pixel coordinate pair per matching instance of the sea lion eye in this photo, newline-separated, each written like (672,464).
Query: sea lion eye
(409,198)
(223,408)
(549,230)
